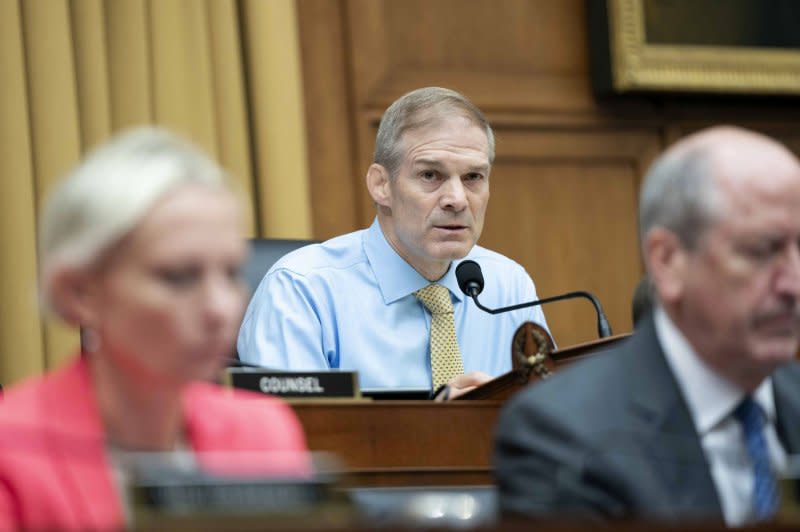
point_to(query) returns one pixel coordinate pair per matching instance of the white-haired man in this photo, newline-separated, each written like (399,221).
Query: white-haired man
(692,417)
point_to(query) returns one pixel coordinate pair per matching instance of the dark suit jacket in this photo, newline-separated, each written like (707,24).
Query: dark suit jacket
(612,437)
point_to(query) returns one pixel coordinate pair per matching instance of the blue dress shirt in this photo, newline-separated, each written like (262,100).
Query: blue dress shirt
(349,304)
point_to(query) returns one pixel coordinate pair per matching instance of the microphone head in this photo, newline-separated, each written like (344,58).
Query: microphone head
(470,278)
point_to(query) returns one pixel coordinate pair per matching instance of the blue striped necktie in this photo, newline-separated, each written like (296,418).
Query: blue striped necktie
(765,487)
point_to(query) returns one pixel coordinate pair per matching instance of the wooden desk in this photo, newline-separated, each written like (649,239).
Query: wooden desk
(421,443)
(404,443)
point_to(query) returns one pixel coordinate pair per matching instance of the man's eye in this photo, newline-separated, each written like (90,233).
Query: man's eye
(428,175)
(473,176)
(761,251)
(757,253)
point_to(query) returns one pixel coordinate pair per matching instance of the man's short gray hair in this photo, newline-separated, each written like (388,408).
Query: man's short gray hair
(108,194)
(418,109)
(678,194)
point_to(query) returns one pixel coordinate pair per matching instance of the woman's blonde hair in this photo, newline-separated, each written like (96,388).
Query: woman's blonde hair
(109,192)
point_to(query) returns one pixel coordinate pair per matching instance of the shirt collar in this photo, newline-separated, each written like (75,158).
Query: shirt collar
(709,396)
(396,278)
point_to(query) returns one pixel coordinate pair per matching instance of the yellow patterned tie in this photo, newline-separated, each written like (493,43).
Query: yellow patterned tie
(445,356)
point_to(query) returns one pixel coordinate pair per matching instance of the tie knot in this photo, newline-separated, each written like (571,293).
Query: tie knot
(749,414)
(436,299)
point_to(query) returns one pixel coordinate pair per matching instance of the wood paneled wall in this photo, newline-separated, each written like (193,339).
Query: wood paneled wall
(566,178)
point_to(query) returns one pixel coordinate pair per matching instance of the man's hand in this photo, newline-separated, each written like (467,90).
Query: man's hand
(462,384)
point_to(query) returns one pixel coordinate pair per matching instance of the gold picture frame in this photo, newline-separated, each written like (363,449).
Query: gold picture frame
(636,65)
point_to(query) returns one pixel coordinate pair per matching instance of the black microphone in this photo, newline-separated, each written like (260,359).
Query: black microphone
(470,281)
(470,278)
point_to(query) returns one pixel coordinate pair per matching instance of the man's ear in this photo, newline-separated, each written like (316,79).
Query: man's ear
(378,185)
(71,296)
(667,264)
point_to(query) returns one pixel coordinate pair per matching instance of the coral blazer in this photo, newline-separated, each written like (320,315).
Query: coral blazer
(54,472)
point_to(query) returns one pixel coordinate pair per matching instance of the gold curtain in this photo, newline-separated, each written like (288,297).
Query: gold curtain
(223,73)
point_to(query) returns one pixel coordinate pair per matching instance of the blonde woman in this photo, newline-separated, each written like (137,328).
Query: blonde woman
(141,245)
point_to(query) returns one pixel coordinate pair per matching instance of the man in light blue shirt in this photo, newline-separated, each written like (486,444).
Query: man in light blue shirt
(349,303)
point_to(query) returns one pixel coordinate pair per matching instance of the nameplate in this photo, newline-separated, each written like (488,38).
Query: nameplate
(296,384)
(221,497)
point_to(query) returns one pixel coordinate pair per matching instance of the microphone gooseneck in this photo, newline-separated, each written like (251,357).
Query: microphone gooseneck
(470,281)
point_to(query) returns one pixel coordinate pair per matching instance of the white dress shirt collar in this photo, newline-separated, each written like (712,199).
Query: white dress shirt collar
(396,277)
(709,396)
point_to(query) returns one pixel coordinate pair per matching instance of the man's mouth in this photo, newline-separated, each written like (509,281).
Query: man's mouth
(780,323)
(451,227)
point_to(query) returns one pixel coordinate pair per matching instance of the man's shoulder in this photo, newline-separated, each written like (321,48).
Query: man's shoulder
(577,386)
(790,370)
(493,260)
(591,390)
(338,253)
(787,380)
(609,381)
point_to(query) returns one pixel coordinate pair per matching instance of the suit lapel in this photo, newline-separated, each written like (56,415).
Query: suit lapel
(668,434)
(786,387)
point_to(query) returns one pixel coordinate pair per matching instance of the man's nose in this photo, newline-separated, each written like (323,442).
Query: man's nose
(454,196)
(788,281)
